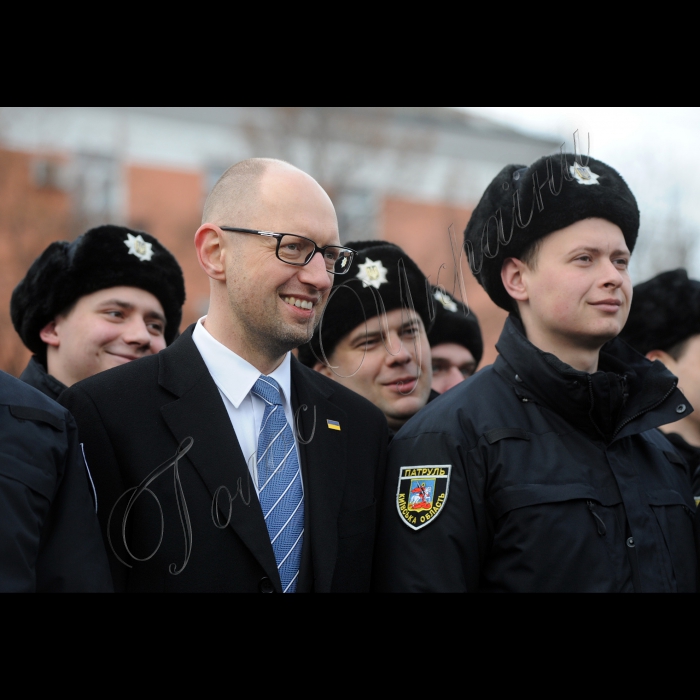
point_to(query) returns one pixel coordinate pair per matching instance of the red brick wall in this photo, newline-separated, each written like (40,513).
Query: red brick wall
(168,205)
(30,219)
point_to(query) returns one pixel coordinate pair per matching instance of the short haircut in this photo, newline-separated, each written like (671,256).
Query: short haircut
(529,256)
(237,190)
(531,253)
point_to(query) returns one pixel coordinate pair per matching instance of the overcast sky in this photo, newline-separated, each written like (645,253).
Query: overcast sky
(656,150)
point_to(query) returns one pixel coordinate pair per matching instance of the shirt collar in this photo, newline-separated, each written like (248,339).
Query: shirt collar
(233,375)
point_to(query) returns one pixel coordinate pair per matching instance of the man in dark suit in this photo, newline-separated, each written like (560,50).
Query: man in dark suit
(222,463)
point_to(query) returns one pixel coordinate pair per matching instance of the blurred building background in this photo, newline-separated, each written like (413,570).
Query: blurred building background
(407,175)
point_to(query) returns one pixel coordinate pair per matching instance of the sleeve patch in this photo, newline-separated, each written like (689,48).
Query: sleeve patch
(422,493)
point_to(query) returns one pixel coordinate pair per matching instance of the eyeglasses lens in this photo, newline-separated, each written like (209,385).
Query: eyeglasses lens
(343,259)
(295,249)
(298,251)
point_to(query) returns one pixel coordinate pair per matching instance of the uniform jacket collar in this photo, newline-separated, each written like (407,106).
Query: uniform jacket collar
(629,394)
(35,375)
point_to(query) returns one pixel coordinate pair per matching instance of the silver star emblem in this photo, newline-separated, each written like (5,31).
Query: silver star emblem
(445,301)
(583,174)
(138,247)
(372,273)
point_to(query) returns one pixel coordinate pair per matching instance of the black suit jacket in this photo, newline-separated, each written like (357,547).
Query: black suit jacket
(197,524)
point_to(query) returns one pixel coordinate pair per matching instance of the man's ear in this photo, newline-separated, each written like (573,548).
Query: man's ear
(49,335)
(324,369)
(662,357)
(210,251)
(512,276)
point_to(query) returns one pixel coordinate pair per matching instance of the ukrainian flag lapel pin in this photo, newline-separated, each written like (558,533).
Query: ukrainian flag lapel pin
(333,424)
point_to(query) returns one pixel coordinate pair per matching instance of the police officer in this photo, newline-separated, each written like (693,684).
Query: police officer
(372,338)
(49,535)
(543,472)
(111,296)
(455,341)
(664,325)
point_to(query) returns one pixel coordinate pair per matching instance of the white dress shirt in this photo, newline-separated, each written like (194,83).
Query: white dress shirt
(235,377)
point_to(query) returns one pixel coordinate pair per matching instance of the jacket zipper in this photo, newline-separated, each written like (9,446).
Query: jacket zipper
(590,410)
(646,410)
(601,525)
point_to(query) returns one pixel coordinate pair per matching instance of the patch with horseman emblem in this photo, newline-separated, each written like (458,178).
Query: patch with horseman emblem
(422,493)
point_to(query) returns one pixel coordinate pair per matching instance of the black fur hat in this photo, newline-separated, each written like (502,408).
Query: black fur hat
(103,257)
(665,311)
(523,204)
(455,323)
(376,272)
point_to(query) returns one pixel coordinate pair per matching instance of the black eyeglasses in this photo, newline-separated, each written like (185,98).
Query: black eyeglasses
(298,250)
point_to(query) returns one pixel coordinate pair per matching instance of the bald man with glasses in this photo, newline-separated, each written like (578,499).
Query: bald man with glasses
(222,463)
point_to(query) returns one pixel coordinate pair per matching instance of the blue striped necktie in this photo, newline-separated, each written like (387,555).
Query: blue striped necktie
(279,484)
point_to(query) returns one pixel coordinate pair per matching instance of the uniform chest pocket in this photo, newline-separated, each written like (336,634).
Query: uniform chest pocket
(676,522)
(523,495)
(571,513)
(679,464)
(559,537)
(37,478)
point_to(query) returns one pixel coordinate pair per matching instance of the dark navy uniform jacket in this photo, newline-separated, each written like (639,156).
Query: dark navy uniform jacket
(552,480)
(691,454)
(35,375)
(49,534)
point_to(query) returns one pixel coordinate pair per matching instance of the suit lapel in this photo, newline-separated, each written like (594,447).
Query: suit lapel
(322,453)
(199,412)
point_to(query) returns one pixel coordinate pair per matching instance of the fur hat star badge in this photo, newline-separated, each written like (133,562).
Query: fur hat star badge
(138,247)
(372,273)
(583,174)
(445,299)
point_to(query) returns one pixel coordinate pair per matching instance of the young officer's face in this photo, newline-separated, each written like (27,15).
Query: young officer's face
(397,382)
(452,364)
(105,329)
(579,292)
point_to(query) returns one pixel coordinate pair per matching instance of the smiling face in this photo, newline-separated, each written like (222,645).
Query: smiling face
(104,329)
(578,294)
(396,380)
(272,306)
